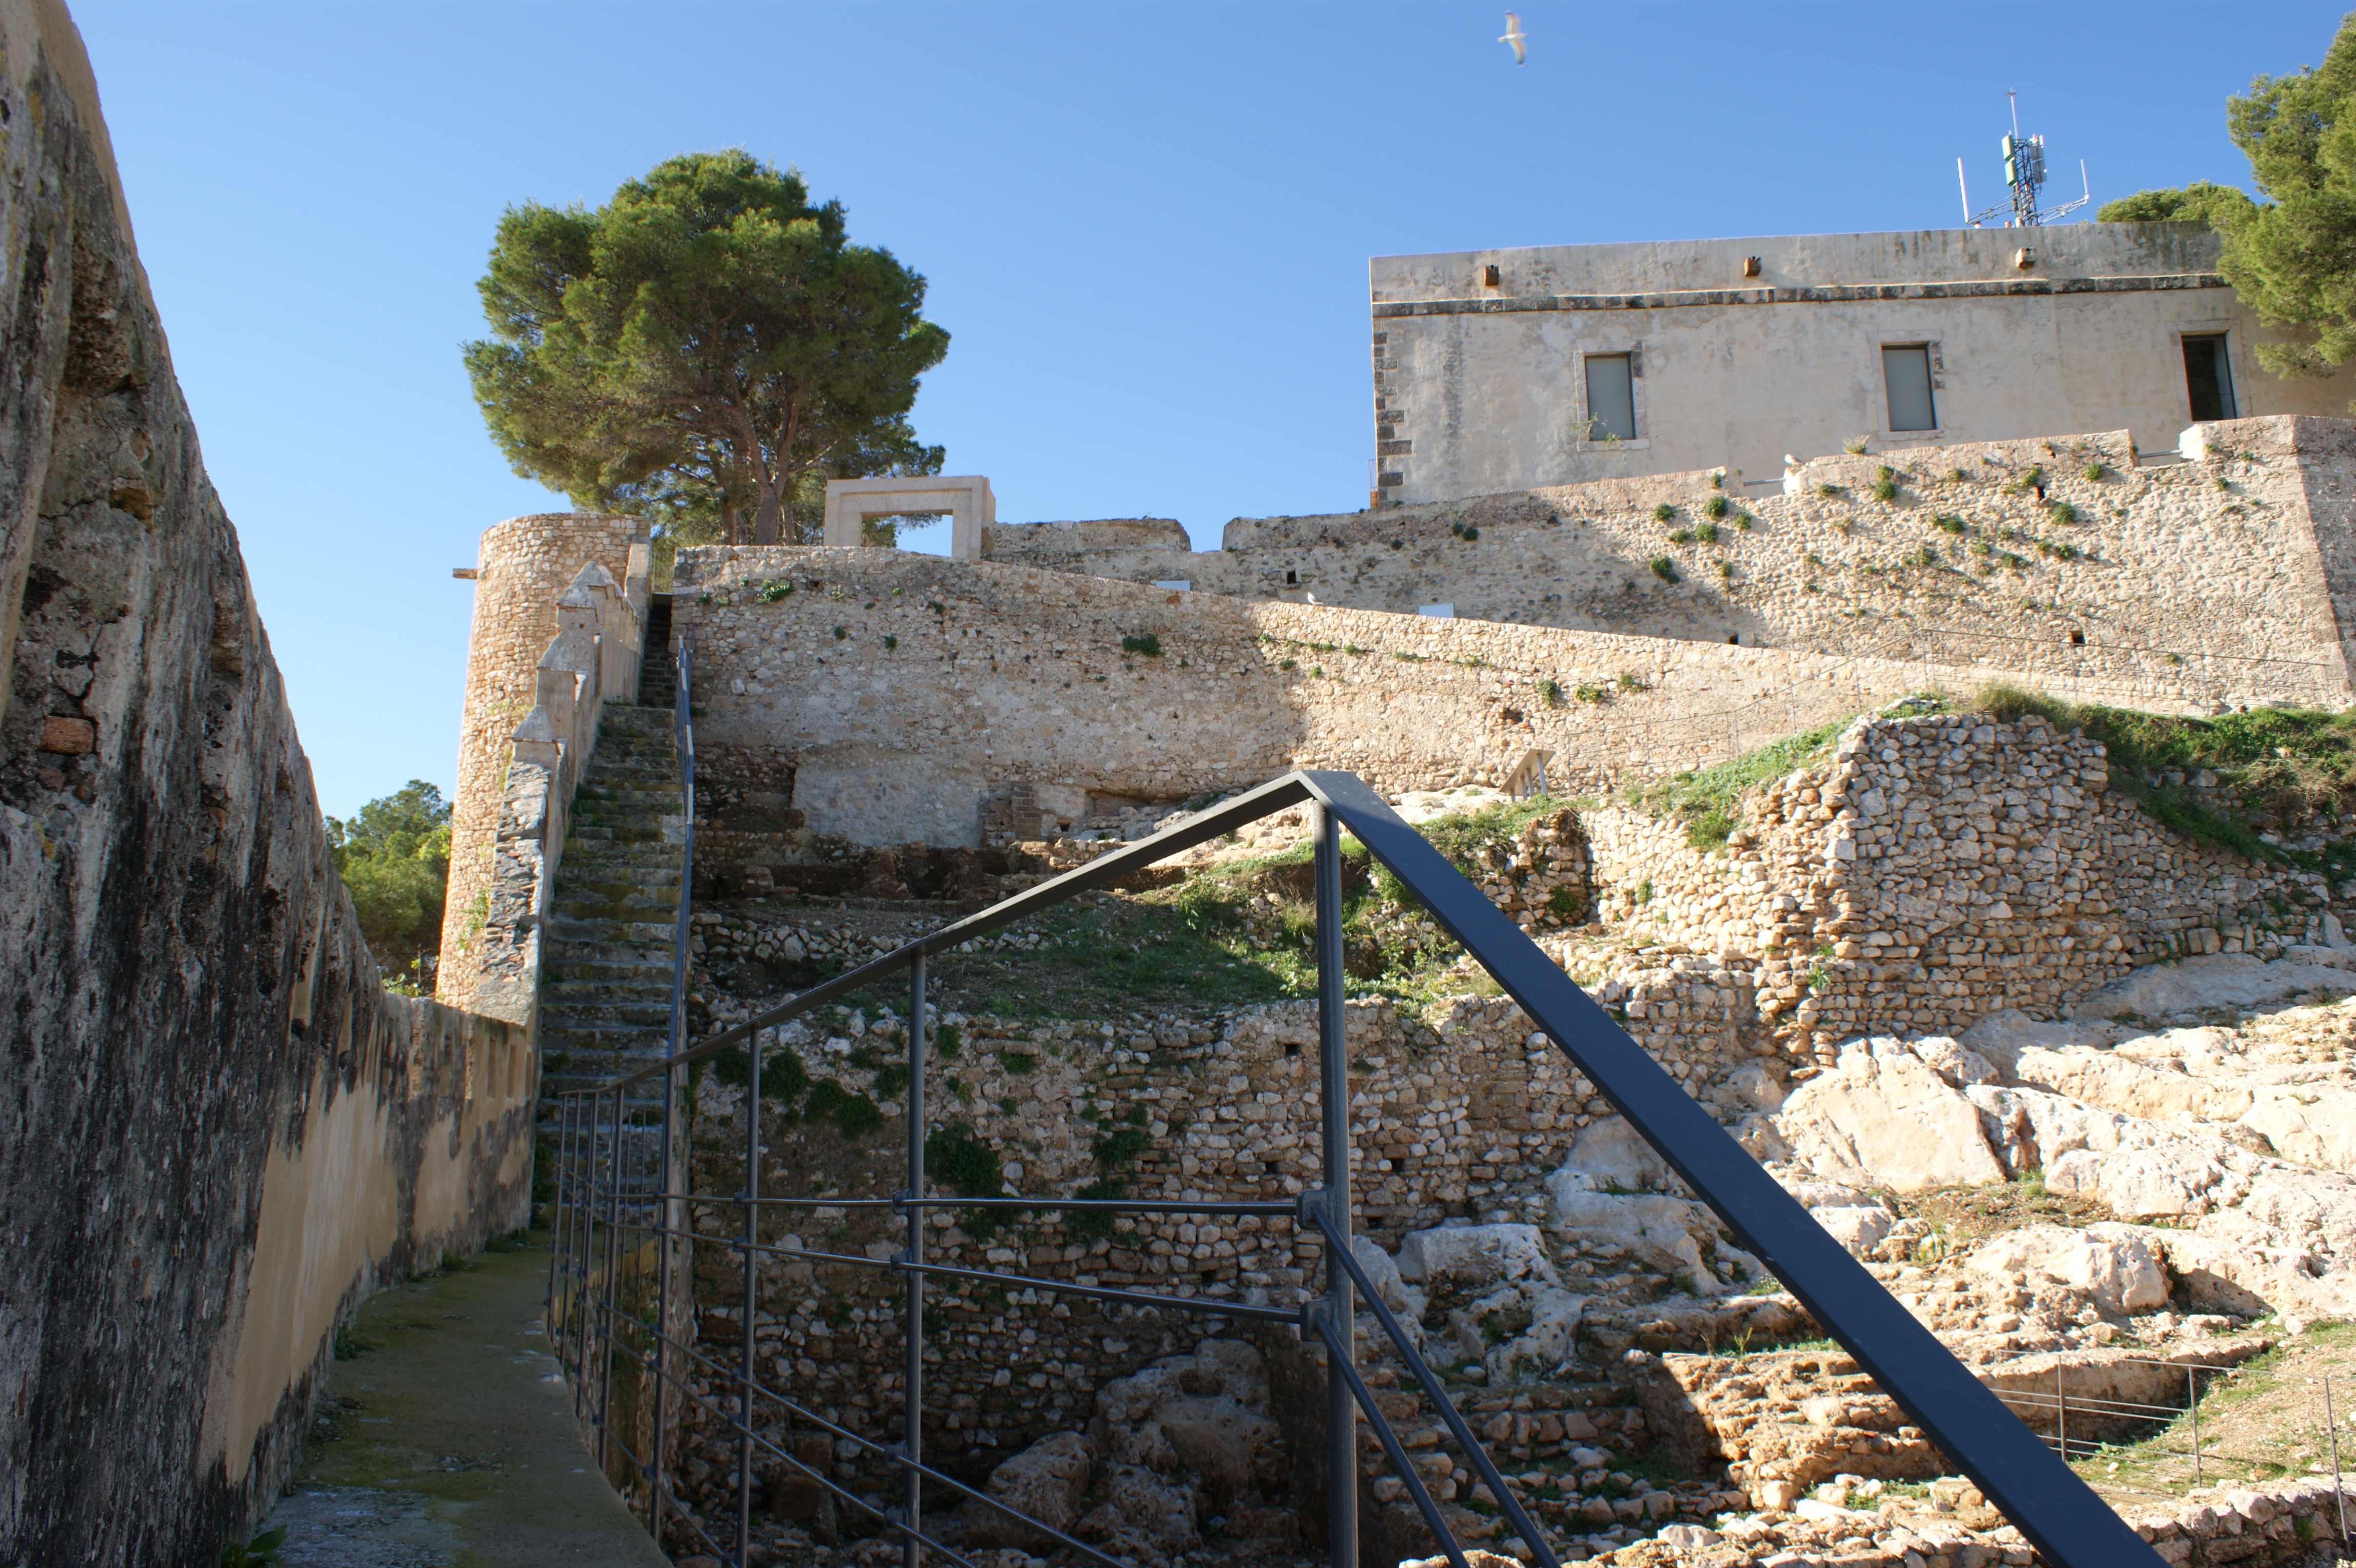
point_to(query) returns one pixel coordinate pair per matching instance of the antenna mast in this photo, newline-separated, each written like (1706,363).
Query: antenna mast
(2024,178)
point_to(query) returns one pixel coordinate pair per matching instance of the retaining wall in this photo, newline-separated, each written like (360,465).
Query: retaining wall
(2223,579)
(906,692)
(1933,870)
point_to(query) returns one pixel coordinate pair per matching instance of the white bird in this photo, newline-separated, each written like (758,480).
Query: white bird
(1515,36)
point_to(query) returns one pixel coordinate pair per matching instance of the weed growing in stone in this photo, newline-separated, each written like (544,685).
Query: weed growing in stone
(1716,506)
(1664,512)
(1589,691)
(1145,643)
(2093,470)
(1946,523)
(1666,569)
(1707,532)
(1550,691)
(1856,445)
(2063,512)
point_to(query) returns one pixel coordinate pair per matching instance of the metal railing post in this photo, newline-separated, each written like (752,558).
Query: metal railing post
(609,1330)
(752,1197)
(1334,1118)
(557,1216)
(913,1399)
(668,1212)
(2060,1416)
(2331,1425)
(2192,1404)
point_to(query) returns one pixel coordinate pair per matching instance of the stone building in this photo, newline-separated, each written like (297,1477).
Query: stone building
(1509,370)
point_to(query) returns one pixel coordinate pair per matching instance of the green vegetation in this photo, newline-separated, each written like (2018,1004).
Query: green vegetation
(1946,523)
(262,1551)
(1664,512)
(1704,800)
(1148,644)
(2274,763)
(707,350)
(2203,202)
(1715,507)
(1666,569)
(2293,257)
(394,858)
(961,1159)
(1707,532)
(1550,691)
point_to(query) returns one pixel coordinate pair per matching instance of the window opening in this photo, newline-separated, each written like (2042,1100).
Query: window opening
(1611,398)
(1906,375)
(2209,376)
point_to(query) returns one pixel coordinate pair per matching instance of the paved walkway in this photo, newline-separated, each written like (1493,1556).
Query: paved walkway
(447,1439)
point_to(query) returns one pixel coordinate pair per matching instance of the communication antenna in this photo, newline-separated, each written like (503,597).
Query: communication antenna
(2024,177)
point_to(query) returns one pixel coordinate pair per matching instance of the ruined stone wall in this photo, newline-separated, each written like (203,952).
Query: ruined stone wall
(525,565)
(907,690)
(220,1131)
(1457,1115)
(2226,579)
(1936,869)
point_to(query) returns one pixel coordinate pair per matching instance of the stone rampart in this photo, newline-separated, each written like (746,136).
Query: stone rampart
(2223,579)
(904,692)
(1933,870)
(220,1130)
(527,567)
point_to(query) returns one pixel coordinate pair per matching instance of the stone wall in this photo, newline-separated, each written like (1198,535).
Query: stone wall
(904,692)
(1458,1115)
(220,1131)
(2225,579)
(1932,870)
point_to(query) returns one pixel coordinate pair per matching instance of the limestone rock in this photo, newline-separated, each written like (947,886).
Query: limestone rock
(1383,1270)
(1614,1155)
(1660,1231)
(2175,1178)
(1885,1119)
(1144,1517)
(1474,1255)
(2219,980)
(1541,1351)
(2113,1264)
(1045,1481)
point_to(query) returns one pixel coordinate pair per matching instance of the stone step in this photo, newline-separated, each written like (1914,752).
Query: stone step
(587,966)
(643,936)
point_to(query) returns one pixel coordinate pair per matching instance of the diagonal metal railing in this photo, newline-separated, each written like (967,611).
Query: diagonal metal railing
(619,1196)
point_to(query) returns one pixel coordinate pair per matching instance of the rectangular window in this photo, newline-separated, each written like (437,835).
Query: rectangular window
(1906,373)
(1611,398)
(2209,376)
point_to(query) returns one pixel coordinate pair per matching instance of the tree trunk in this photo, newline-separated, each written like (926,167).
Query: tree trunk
(727,520)
(769,519)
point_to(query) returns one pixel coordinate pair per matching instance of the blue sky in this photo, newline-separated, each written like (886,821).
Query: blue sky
(1146,228)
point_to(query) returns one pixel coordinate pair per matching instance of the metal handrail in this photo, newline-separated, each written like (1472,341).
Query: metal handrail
(2054,1510)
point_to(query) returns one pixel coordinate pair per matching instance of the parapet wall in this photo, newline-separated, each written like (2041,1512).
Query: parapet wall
(903,691)
(2230,578)
(220,1132)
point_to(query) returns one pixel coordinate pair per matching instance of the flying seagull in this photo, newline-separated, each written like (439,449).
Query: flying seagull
(1515,36)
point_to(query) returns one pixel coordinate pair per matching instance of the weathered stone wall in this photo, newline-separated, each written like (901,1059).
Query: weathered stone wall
(220,1131)
(905,691)
(1936,869)
(2226,579)
(1459,1115)
(526,564)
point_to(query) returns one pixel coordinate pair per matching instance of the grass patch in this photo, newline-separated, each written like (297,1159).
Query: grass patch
(2271,765)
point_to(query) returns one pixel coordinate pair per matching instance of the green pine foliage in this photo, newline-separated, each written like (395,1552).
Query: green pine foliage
(707,348)
(394,857)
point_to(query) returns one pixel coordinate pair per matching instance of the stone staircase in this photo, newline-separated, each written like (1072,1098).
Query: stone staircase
(604,998)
